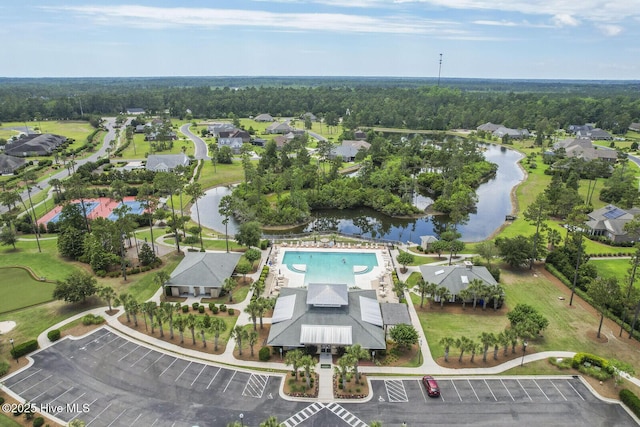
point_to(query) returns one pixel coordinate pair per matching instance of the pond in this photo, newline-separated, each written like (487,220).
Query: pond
(494,203)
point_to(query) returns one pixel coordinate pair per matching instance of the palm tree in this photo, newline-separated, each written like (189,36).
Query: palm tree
(513,339)
(307,363)
(431,291)
(122,300)
(272,421)
(191,324)
(464,295)
(447,342)
(463,344)
(157,314)
(357,352)
(496,292)
(487,339)
(399,287)
(181,323)
(264,305)
(475,288)
(228,286)
(217,327)
(503,339)
(475,348)
(252,339)
(166,311)
(252,310)
(422,288)
(149,308)
(133,307)
(195,191)
(553,238)
(293,358)
(443,293)
(108,294)
(344,363)
(203,323)
(160,278)
(239,333)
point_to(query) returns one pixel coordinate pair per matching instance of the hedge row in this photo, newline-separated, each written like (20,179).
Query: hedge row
(631,400)
(24,348)
(582,358)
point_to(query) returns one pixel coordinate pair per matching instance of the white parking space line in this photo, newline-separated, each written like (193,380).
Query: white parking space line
(197,376)
(140,358)
(25,378)
(137,418)
(505,387)
(108,342)
(578,393)
(80,412)
(231,379)
(116,418)
(185,368)
(29,388)
(525,391)
(474,390)
(60,395)
(72,402)
(255,385)
(395,391)
(154,422)
(167,368)
(147,368)
(214,377)
(47,389)
(421,387)
(563,396)
(494,396)
(137,347)
(96,417)
(456,389)
(545,394)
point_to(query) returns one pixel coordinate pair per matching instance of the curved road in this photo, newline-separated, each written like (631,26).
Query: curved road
(202,151)
(109,124)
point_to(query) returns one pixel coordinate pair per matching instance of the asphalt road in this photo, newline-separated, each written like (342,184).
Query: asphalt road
(202,150)
(105,379)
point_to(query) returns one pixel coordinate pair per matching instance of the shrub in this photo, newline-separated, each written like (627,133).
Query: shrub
(223,308)
(38,422)
(264,354)
(201,309)
(211,305)
(231,312)
(185,308)
(24,348)
(195,305)
(53,335)
(4,368)
(631,400)
(92,319)
(214,310)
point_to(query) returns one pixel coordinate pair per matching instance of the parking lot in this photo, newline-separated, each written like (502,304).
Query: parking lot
(107,380)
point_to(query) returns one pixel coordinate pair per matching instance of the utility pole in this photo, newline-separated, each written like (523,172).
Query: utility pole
(439,69)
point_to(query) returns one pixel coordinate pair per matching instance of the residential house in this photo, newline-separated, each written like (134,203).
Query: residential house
(239,133)
(456,277)
(512,133)
(576,128)
(166,162)
(348,150)
(309,115)
(202,273)
(215,129)
(583,148)
(264,118)
(427,241)
(281,141)
(9,164)
(234,143)
(134,111)
(34,145)
(360,135)
(328,316)
(595,134)
(634,127)
(154,135)
(489,127)
(281,128)
(609,221)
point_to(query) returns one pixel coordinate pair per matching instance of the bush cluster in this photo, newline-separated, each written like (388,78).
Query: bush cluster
(631,400)
(592,365)
(264,354)
(92,319)
(53,335)
(24,348)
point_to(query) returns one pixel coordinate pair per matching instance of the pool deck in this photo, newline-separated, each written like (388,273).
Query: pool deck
(378,279)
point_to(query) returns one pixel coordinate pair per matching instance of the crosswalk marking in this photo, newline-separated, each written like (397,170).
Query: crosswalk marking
(349,418)
(302,415)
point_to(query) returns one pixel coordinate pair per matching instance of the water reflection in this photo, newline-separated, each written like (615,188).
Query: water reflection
(494,202)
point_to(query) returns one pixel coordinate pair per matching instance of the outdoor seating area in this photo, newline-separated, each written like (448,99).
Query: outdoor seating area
(328,243)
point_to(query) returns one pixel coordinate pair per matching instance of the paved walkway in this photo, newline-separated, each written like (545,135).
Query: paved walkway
(325,375)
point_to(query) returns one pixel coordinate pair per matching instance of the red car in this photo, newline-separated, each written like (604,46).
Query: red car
(431,385)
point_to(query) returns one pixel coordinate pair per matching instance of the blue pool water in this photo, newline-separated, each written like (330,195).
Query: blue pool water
(329,267)
(135,208)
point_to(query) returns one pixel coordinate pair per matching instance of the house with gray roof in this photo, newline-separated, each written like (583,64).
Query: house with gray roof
(166,162)
(215,129)
(235,143)
(456,277)
(427,241)
(512,133)
(135,111)
(609,221)
(583,148)
(202,273)
(280,128)
(264,118)
(328,316)
(595,134)
(489,127)
(348,150)
(35,145)
(634,127)
(8,164)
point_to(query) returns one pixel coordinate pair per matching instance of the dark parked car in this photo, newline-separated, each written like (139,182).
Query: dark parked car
(431,385)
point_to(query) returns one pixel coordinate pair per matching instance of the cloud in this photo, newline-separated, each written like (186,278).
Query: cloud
(158,17)
(610,30)
(565,20)
(505,23)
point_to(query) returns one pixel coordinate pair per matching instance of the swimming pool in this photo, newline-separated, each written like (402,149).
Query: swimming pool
(329,267)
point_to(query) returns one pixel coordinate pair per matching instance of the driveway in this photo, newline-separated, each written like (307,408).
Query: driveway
(202,150)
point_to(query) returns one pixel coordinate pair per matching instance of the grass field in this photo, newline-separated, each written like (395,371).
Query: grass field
(44,264)
(19,289)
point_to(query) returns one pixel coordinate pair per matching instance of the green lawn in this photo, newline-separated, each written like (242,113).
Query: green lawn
(44,264)
(19,289)
(612,268)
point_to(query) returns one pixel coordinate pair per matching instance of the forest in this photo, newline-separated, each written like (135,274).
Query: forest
(542,105)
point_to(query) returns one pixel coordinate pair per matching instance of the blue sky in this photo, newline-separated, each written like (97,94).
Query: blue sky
(561,39)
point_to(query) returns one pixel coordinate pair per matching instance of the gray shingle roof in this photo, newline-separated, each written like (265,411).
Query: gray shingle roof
(287,333)
(395,314)
(35,145)
(328,295)
(204,269)
(166,162)
(456,277)
(10,163)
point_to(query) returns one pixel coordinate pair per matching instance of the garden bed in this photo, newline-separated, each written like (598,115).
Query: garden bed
(351,389)
(298,388)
